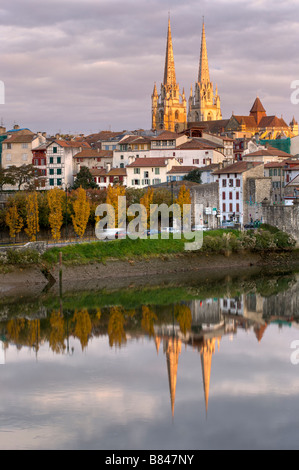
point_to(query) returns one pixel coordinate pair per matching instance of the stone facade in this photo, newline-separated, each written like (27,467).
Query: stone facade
(286,218)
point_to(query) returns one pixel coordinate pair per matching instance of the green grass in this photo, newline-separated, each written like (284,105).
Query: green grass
(117,249)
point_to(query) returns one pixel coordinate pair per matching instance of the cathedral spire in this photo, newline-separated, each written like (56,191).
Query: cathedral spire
(169,72)
(203,75)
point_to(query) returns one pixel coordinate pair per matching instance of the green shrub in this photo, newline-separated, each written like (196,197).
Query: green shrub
(22,257)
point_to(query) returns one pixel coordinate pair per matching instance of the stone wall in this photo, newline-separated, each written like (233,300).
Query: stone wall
(285,218)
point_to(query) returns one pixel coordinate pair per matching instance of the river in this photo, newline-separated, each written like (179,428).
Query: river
(207,364)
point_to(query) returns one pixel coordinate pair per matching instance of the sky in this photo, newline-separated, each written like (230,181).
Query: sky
(75,66)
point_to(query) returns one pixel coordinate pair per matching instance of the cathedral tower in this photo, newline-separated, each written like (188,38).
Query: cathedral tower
(204,104)
(169,109)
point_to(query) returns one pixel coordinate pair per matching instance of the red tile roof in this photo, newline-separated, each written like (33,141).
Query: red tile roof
(91,153)
(257,107)
(166,135)
(150,162)
(239,167)
(182,169)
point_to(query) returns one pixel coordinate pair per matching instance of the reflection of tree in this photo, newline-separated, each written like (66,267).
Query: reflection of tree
(148,320)
(83,326)
(116,331)
(34,333)
(56,340)
(14,329)
(184,317)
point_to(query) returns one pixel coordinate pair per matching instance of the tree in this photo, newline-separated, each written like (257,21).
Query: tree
(194,176)
(113,193)
(147,201)
(14,221)
(81,208)
(56,199)
(184,199)
(84,179)
(32,216)
(23,176)
(6,178)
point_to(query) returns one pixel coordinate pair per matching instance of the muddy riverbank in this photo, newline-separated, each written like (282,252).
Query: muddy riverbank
(120,274)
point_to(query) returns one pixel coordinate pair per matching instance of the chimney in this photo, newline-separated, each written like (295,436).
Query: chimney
(2,130)
(16,127)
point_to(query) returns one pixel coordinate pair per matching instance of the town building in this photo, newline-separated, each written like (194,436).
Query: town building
(17,148)
(149,171)
(242,187)
(92,159)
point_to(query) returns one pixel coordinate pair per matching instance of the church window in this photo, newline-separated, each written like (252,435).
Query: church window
(177,115)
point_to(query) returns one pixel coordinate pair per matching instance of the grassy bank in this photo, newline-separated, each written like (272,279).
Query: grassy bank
(265,240)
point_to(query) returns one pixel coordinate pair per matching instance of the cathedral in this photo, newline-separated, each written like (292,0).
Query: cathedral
(169,108)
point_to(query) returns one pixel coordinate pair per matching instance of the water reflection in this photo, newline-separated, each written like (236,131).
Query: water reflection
(193,322)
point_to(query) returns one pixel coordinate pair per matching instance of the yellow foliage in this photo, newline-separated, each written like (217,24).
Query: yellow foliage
(184,317)
(116,329)
(146,201)
(113,193)
(14,221)
(81,207)
(55,201)
(83,326)
(148,320)
(56,340)
(32,228)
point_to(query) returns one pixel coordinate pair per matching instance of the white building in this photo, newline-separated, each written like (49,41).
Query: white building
(149,171)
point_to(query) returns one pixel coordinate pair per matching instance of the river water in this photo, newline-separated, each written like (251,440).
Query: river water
(204,365)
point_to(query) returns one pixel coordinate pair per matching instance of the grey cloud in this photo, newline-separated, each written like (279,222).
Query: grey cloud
(58,57)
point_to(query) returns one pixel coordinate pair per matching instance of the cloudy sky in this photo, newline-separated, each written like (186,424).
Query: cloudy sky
(84,66)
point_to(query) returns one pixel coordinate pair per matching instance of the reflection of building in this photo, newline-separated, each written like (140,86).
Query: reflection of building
(172,348)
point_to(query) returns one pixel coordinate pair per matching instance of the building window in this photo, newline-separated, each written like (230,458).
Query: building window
(237,195)
(24,157)
(51,182)
(224,183)
(59,171)
(238,183)
(136,171)
(8,146)
(8,157)
(59,160)
(157,171)
(51,171)
(238,207)
(224,207)
(230,207)
(196,161)
(122,165)
(231,183)
(223,195)
(55,149)
(230,196)
(24,146)
(135,182)
(59,182)
(51,160)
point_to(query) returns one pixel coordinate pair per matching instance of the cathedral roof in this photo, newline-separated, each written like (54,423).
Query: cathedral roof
(272,121)
(257,107)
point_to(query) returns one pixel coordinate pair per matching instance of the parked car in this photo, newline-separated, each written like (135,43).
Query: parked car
(227,225)
(200,228)
(112,234)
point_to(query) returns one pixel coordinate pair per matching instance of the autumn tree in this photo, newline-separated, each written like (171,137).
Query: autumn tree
(83,327)
(147,201)
(184,317)
(32,228)
(57,336)
(81,208)
(184,199)
(116,330)
(14,221)
(56,198)
(148,320)
(113,193)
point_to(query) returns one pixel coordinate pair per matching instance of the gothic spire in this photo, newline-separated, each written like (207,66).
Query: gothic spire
(203,75)
(169,72)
